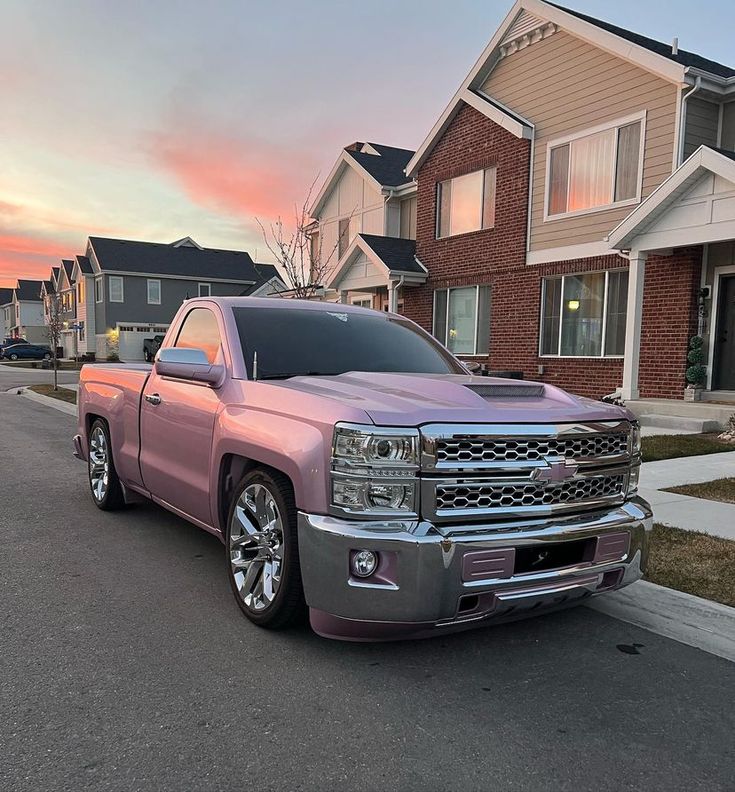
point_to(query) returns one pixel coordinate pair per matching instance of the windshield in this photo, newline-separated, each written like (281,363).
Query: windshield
(290,342)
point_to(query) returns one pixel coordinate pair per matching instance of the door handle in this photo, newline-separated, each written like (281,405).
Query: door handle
(153,398)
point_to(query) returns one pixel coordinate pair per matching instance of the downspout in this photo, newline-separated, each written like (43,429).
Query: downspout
(393,302)
(683,118)
(530,189)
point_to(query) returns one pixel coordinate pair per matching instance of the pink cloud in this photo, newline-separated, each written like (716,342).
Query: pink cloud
(26,256)
(238,177)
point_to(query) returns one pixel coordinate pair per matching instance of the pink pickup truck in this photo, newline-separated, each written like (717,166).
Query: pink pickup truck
(353,467)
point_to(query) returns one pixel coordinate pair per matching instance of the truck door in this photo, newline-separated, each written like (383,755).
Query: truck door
(177,424)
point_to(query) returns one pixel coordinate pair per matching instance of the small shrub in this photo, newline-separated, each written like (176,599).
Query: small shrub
(696,373)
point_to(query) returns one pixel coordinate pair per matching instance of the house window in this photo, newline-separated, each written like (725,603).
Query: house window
(98,290)
(595,170)
(205,290)
(154,292)
(81,291)
(115,286)
(363,302)
(466,203)
(584,315)
(462,319)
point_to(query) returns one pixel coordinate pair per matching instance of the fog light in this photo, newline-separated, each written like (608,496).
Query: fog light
(364,563)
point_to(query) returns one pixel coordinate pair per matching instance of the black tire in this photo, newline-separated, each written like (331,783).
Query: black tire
(112,498)
(288,607)
(47,356)
(13,356)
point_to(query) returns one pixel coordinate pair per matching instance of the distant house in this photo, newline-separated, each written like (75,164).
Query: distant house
(126,291)
(26,312)
(6,312)
(365,227)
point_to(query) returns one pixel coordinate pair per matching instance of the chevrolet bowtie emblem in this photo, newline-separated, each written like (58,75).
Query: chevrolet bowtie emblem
(556,471)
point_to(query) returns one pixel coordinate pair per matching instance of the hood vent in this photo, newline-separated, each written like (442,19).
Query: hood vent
(508,391)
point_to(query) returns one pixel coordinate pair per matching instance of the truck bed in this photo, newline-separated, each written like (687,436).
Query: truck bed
(113,391)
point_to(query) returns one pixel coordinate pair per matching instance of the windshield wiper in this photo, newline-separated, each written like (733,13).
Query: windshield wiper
(295,374)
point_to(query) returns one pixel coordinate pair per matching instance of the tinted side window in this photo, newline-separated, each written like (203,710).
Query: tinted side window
(200,331)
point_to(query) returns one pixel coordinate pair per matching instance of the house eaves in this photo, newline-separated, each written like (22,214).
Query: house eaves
(343,161)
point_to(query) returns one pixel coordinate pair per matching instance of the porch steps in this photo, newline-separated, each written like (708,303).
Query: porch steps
(680,415)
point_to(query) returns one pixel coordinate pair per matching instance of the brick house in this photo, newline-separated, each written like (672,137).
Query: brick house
(576,209)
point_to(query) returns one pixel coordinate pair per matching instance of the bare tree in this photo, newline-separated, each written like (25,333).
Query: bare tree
(300,252)
(54,326)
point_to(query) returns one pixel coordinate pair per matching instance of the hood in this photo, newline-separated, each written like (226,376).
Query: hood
(416,399)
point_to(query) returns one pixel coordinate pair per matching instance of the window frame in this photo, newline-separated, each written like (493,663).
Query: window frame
(437,202)
(449,289)
(615,124)
(99,289)
(603,328)
(148,291)
(199,289)
(122,288)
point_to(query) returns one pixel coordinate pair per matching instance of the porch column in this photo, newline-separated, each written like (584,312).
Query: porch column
(633,318)
(392,301)
(343,297)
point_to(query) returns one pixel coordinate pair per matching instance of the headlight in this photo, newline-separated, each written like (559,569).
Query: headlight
(635,439)
(374,470)
(363,445)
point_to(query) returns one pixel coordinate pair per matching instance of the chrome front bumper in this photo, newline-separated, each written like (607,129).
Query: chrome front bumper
(434,579)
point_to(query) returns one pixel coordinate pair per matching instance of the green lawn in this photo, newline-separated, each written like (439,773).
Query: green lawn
(718,490)
(63,394)
(673,446)
(694,562)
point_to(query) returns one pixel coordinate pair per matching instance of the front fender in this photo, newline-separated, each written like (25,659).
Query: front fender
(298,449)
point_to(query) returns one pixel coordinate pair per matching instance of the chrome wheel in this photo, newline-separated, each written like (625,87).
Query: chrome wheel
(99,463)
(256,547)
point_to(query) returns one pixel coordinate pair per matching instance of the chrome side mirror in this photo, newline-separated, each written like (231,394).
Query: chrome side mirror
(188,364)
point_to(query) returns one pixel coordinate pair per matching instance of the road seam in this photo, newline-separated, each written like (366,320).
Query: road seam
(688,619)
(65,407)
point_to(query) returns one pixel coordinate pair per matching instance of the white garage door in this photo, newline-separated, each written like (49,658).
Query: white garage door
(130,343)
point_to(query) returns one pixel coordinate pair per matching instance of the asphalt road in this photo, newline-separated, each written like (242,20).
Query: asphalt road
(18,376)
(125,664)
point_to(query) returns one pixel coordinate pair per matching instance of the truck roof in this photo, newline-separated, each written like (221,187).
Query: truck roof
(285,303)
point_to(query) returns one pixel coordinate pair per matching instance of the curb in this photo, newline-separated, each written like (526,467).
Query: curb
(685,618)
(65,407)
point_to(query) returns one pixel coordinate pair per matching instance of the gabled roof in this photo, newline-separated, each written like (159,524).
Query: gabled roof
(395,257)
(68,266)
(399,255)
(84,264)
(537,18)
(29,290)
(387,167)
(6,296)
(682,56)
(629,233)
(154,258)
(382,165)
(55,273)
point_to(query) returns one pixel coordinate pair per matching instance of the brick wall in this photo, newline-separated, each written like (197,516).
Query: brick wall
(497,257)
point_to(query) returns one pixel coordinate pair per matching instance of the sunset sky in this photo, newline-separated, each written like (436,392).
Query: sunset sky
(157,120)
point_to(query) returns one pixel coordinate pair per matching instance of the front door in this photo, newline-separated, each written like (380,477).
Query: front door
(724,363)
(177,425)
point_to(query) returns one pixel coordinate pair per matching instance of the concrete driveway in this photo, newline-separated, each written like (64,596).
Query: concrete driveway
(126,664)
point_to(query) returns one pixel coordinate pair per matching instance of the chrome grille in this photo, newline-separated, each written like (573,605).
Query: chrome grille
(501,449)
(488,496)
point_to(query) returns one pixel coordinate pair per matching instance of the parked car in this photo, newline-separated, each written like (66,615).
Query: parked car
(10,341)
(151,346)
(26,351)
(350,464)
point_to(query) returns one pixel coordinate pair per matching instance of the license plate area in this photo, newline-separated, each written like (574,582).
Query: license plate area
(554,555)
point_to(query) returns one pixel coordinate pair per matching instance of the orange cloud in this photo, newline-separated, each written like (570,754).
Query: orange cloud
(239,177)
(26,256)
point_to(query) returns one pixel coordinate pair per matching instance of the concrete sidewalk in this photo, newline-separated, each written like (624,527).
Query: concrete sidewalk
(682,511)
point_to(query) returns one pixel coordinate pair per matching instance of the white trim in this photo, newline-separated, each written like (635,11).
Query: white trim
(437,202)
(199,289)
(475,340)
(278,287)
(492,109)
(99,296)
(678,131)
(186,241)
(358,243)
(727,269)
(702,160)
(148,291)
(569,253)
(615,124)
(633,322)
(163,276)
(358,300)
(122,288)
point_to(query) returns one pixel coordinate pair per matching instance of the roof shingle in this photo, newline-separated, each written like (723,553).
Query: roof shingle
(387,167)
(29,290)
(399,255)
